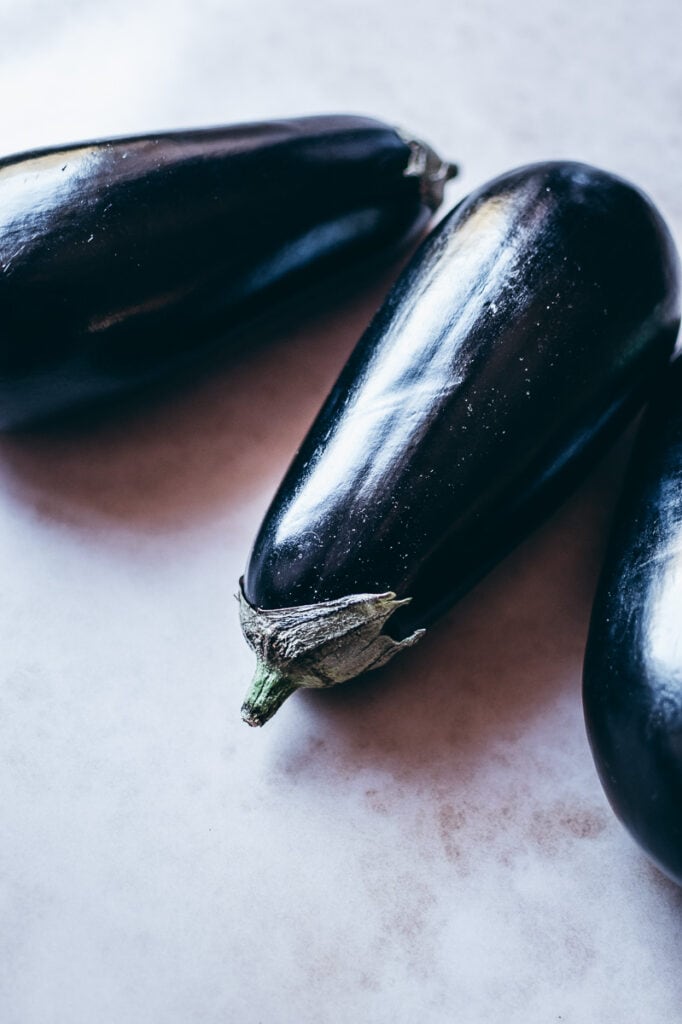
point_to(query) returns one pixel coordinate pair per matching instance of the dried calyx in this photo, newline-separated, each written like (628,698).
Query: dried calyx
(315,646)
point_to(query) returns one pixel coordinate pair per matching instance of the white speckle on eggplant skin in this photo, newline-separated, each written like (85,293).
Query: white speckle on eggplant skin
(451,432)
(121,260)
(632,680)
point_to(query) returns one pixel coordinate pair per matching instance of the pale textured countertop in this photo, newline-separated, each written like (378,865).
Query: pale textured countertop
(434,846)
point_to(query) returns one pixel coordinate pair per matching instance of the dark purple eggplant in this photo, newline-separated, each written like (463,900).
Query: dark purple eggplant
(522,335)
(632,680)
(122,259)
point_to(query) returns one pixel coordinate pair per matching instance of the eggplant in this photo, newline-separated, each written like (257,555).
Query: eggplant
(122,259)
(632,678)
(520,338)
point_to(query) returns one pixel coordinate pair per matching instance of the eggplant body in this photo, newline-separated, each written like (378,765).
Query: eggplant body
(121,259)
(523,333)
(632,680)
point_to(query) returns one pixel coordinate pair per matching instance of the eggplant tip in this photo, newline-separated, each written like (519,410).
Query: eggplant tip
(269,690)
(250,716)
(431,169)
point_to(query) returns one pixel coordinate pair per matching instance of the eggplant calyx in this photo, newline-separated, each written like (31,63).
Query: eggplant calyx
(433,172)
(315,645)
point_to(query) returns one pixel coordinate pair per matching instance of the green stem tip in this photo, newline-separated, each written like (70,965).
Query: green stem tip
(269,690)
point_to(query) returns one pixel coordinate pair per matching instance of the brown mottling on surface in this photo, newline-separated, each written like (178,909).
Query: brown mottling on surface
(375,801)
(405,904)
(552,827)
(410,914)
(584,824)
(450,821)
(506,831)
(451,818)
(580,952)
(302,760)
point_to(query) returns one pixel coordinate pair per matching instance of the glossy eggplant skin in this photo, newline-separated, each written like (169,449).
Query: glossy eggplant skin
(632,680)
(123,258)
(523,334)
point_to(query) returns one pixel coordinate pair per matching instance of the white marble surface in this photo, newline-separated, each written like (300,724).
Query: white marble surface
(434,846)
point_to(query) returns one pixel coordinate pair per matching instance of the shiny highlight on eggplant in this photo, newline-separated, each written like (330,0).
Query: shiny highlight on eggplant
(632,679)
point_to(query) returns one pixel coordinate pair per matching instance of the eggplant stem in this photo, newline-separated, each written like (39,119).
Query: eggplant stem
(432,171)
(269,689)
